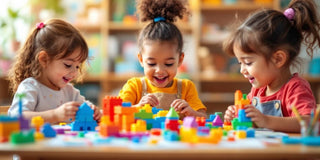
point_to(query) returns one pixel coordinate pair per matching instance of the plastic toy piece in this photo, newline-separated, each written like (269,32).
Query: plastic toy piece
(201,121)
(190,122)
(37,122)
(131,135)
(172,125)
(217,122)
(242,116)
(148,108)
(202,131)
(250,133)
(124,116)
(142,114)
(126,104)
(215,136)
(188,134)
(84,119)
(220,115)
(211,118)
(48,131)
(155,110)
(24,123)
(7,126)
(241,134)
(170,136)
(155,132)
(172,114)
(22,137)
(107,128)
(139,126)
(109,103)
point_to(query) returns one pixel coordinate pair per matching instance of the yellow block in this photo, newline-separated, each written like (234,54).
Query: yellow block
(241,134)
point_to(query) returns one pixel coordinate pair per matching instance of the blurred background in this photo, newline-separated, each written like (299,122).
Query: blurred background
(111,28)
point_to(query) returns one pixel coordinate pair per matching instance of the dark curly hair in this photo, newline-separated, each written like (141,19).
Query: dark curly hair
(163,30)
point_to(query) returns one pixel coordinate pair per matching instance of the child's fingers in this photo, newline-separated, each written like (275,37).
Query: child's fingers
(175,102)
(231,109)
(73,103)
(185,109)
(229,114)
(153,100)
(178,105)
(97,117)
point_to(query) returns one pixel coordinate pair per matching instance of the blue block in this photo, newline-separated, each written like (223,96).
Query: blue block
(158,121)
(211,118)
(126,104)
(242,116)
(48,131)
(4,118)
(250,133)
(156,110)
(171,136)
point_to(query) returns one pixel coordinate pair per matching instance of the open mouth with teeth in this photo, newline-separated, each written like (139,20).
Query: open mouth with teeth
(160,80)
(65,79)
(251,79)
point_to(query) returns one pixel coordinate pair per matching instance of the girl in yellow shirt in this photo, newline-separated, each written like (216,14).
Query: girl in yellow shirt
(160,44)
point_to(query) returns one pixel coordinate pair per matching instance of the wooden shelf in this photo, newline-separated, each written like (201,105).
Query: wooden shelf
(88,27)
(119,26)
(237,6)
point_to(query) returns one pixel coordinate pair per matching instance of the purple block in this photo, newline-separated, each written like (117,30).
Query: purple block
(190,122)
(217,121)
(59,130)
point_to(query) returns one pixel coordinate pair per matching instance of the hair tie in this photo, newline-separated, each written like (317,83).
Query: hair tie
(289,13)
(40,25)
(158,19)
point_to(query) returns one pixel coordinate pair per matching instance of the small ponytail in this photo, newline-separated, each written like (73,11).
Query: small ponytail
(161,14)
(306,21)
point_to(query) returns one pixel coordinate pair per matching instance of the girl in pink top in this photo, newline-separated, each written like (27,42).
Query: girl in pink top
(266,45)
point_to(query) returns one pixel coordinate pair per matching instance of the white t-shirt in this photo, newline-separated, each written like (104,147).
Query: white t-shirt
(41,98)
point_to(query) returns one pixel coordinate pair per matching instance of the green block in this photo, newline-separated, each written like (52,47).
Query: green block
(22,137)
(149,126)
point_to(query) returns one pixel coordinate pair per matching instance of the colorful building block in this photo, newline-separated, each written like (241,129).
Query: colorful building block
(84,119)
(109,102)
(48,131)
(7,126)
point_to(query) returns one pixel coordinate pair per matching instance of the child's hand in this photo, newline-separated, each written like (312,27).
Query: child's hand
(230,113)
(256,116)
(66,111)
(182,107)
(149,99)
(97,114)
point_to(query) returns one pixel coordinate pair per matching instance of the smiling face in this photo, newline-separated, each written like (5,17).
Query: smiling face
(256,69)
(57,73)
(160,61)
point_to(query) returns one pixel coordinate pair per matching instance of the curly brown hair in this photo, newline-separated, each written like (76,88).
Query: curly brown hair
(267,31)
(57,38)
(163,30)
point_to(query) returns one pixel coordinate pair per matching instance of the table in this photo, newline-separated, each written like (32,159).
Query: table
(39,151)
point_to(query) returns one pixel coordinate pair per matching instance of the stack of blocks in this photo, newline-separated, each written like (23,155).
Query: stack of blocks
(241,121)
(84,119)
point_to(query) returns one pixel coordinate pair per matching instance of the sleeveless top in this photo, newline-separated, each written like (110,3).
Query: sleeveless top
(165,99)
